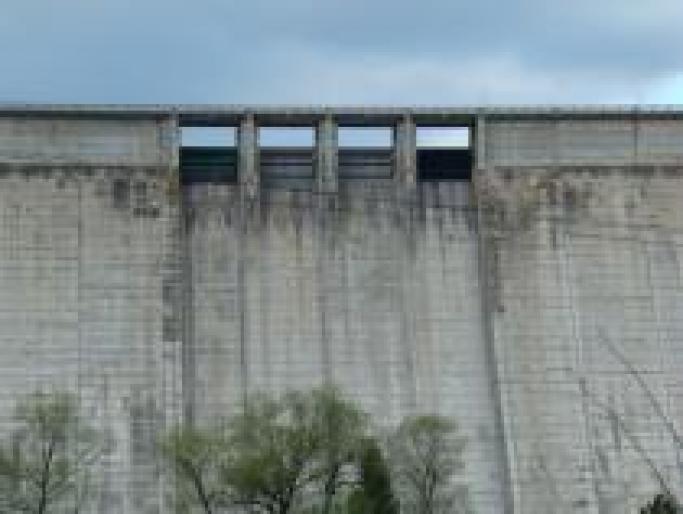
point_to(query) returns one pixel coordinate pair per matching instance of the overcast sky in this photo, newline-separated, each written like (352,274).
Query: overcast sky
(342,51)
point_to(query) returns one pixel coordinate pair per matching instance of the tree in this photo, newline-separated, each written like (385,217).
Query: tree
(274,452)
(304,441)
(375,495)
(199,458)
(339,428)
(46,463)
(662,503)
(427,455)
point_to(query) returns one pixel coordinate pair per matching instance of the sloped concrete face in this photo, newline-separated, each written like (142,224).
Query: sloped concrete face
(584,285)
(373,294)
(538,306)
(586,290)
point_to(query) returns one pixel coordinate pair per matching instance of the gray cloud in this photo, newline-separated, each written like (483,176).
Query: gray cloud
(338,51)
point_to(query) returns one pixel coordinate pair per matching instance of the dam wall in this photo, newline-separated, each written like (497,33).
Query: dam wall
(582,226)
(527,286)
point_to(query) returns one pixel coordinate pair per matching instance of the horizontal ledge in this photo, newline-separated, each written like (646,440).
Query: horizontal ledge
(75,166)
(293,115)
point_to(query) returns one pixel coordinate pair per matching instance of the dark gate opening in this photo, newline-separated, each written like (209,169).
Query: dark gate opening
(444,153)
(208,155)
(444,164)
(216,165)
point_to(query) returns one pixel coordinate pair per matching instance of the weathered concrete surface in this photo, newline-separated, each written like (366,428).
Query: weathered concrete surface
(88,274)
(80,141)
(584,270)
(372,294)
(520,305)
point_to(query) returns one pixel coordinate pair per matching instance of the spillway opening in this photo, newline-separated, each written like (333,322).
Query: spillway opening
(208,154)
(286,157)
(365,152)
(444,153)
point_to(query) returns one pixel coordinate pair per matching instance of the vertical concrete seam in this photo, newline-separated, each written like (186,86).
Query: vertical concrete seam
(79,284)
(488,329)
(188,364)
(326,187)
(241,271)
(183,258)
(264,315)
(324,245)
(175,243)
(405,237)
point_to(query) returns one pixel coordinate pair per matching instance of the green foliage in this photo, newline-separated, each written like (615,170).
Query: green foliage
(427,455)
(46,462)
(374,496)
(200,459)
(662,503)
(302,441)
(274,447)
(311,452)
(340,429)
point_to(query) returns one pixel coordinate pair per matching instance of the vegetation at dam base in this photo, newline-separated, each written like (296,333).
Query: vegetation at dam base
(305,452)
(313,452)
(47,459)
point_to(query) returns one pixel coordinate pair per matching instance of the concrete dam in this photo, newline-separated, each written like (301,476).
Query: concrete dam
(527,284)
